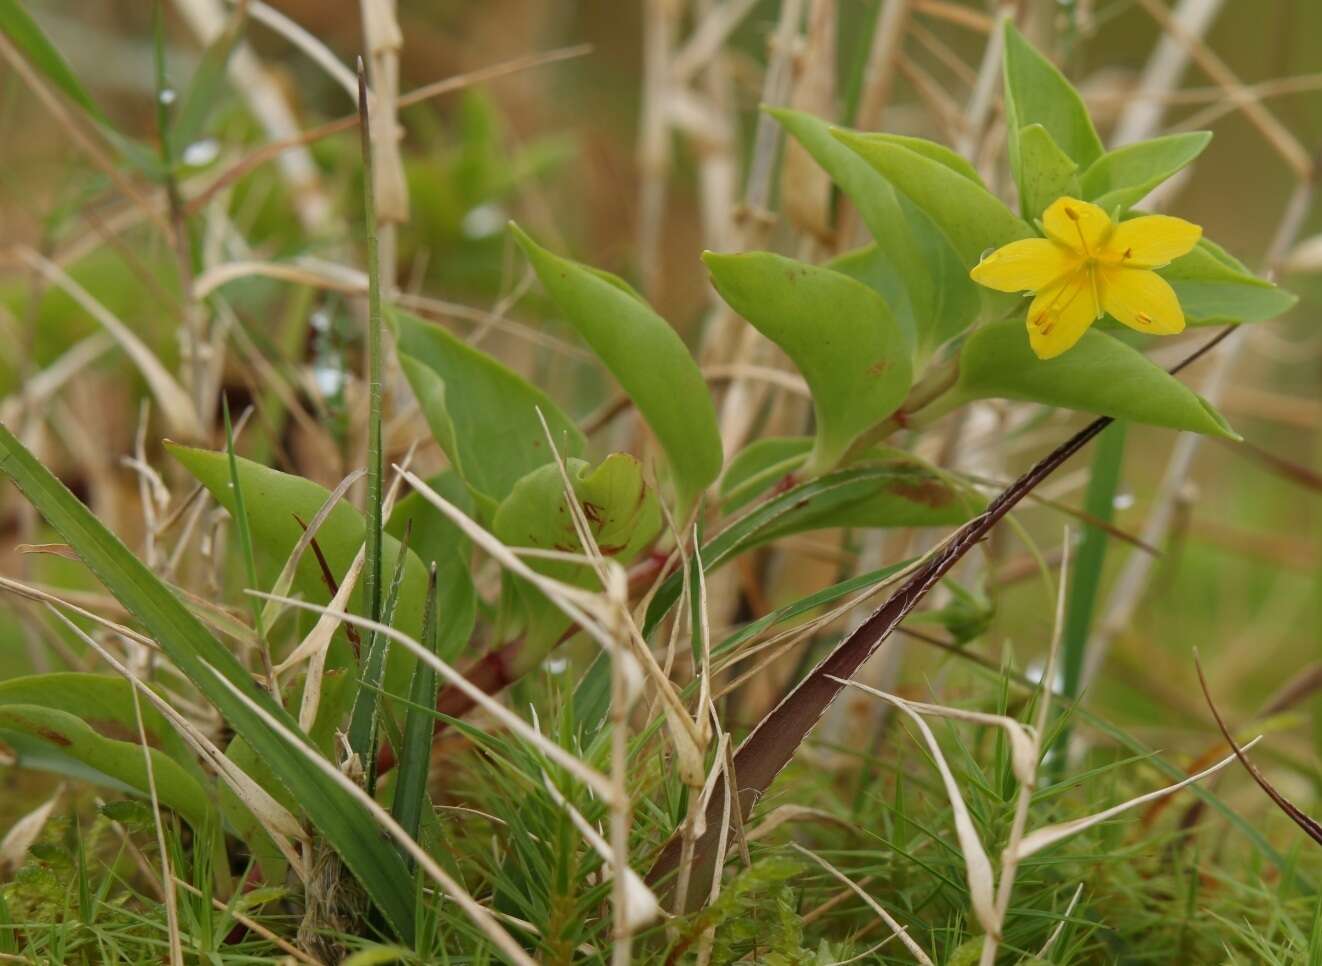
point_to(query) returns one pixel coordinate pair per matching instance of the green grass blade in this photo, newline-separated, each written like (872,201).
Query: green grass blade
(346,824)
(415,751)
(375,525)
(244,526)
(367,704)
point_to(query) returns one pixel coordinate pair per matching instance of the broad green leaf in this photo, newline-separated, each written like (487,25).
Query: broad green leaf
(622,513)
(176,788)
(648,359)
(1212,290)
(482,414)
(344,822)
(839,333)
(1045,171)
(1124,177)
(105,704)
(1099,375)
(875,269)
(971,218)
(1037,93)
(936,152)
(276,501)
(911,258)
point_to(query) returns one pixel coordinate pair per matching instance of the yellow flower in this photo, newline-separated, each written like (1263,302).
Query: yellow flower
(1088,265)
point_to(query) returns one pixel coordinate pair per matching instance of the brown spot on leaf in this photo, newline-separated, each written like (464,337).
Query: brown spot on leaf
(879,368)
(54,737)
(924,490)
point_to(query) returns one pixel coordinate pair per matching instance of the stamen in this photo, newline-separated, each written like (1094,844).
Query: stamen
(1143,317)
(1073,216)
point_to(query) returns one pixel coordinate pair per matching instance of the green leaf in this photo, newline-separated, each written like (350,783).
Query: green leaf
(1037,93)
(204,89)
(105,704)
(1212,290)
(274,501)
(648,359)
(622,513)
(1099,375)
(410,795)
(1045,171)
(346,825)
(490,432)
(912,266)
(176,788)
(1123,177)
(839,333)
(971,218)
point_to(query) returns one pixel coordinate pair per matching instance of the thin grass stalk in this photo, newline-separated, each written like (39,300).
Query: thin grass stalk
(372,552)
(167,878)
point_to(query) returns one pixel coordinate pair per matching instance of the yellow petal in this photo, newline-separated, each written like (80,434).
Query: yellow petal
(1024,266)
(1079,225)
(1153,240)
(1142,300)
(1061,314)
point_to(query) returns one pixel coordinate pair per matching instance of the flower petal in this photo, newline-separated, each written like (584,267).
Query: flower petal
(1061,314)
(1153,240)
(1024,266)
(1079,225)
(1142,300)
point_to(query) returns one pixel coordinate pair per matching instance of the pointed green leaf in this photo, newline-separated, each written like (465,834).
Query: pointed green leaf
(1045,171)
(1099,375)
(911,258)
(410,793)
(482,414)
(347,826)
(24,33)
(123,760)
(971,218)
(839,333)
(1037,93)
(1123,177)
(1215,289)
(648,359)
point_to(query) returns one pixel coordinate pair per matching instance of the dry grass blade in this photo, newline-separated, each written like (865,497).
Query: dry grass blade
(584,773)
(24,832)
(171,397)
(900,931)
(977,865)
(274,149)
(167,877)
(1040,839)
(1306,822)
